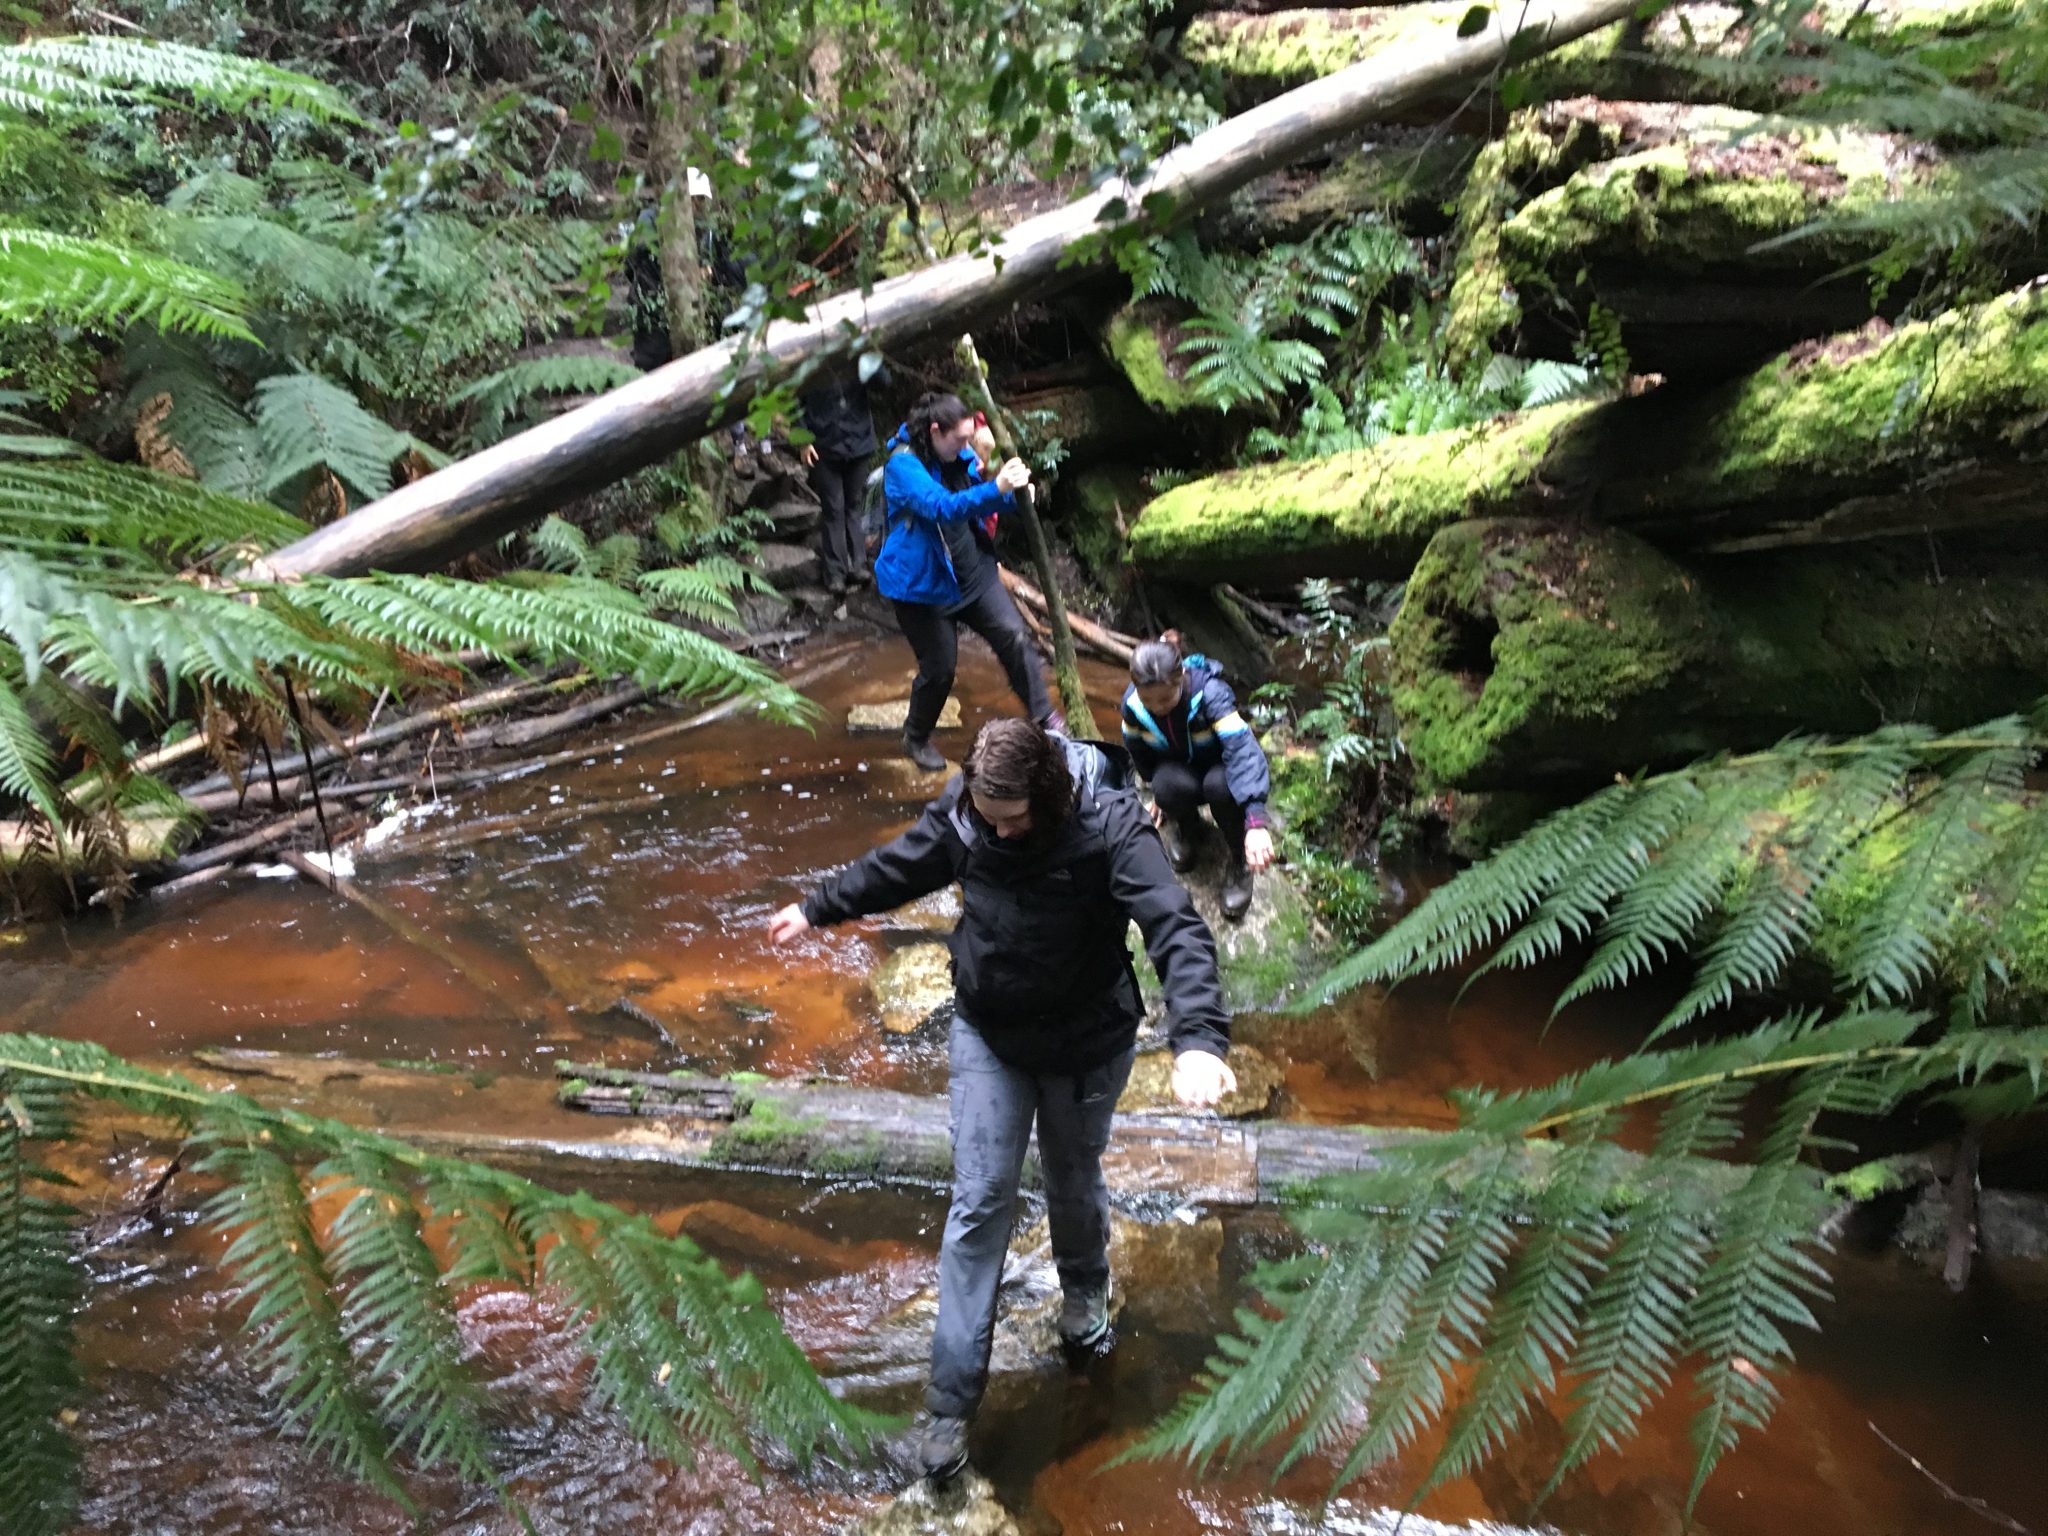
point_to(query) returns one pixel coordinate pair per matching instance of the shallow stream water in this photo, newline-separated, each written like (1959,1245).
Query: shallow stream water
(618,908)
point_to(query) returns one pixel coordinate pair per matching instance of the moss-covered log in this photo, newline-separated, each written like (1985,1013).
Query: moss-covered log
(1675,220)
(1091,421)
(1531,649)
(1935,425)
(1260,54)
(1142,339)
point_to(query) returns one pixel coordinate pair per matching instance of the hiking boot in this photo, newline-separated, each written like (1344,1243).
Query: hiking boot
(919,750)
(942,1448)
(1180,844)
(1084,1318)
(1237,889)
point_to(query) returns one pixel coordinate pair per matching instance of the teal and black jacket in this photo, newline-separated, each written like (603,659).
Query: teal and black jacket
(1204,731)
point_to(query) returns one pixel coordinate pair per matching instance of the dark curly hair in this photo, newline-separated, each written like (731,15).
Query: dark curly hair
(1016,760)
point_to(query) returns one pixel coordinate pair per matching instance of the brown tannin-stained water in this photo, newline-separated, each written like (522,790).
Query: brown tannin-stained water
(618,908)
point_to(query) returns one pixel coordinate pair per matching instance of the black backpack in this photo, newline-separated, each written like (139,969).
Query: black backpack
(874,505)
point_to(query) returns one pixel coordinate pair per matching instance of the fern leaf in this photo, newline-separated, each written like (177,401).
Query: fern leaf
(40,1288)
(28,768)
(1896,946)
(276,1256)
(59,74)
(307,423)
(48,278)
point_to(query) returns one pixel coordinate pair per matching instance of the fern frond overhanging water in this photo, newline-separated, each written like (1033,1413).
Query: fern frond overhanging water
(355,1316)
(1526,1249)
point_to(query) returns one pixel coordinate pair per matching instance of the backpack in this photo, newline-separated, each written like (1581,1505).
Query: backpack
(874,505)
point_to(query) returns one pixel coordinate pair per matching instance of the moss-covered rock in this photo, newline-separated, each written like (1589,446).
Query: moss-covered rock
(1097,508)
(1261,55)
(1870,434)
(1141,339)
(1529,650)
(1368,513)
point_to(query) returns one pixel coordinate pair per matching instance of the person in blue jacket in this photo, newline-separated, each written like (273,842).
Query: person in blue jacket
(1190,744)
(937,565)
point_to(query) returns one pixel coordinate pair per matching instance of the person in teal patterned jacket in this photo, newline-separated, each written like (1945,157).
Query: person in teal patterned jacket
(1188,741)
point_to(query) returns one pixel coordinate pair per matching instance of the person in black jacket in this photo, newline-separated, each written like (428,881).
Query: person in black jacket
(1190,744)
(842,427)
(1055,859)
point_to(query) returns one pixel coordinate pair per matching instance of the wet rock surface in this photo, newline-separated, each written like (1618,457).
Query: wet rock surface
(914,987)
(1150,1089)
(964,1506)
(889,714)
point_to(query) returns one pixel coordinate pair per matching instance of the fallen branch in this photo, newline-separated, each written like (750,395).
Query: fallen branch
(1106,643)
(1975,1505)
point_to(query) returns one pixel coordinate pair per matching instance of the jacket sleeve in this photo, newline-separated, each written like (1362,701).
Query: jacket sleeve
(915,864)
(1244,760)
(1144,755)
(1176,939)
(910,487)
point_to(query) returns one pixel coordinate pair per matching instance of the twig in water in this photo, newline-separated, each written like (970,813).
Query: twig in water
(1976,1506)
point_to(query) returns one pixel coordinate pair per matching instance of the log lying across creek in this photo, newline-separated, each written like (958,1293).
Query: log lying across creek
(824,1131)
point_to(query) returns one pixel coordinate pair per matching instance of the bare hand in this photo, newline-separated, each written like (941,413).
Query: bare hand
(807,455)
(1158,814)
(788,924)
(1200,1078)
(1013,476)
(1258,848)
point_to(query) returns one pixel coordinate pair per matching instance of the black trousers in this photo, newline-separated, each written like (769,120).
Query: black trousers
(934,634)
(840,484)
(1182,795)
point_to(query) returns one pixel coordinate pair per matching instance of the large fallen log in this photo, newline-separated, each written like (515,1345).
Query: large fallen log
(516,481)
(1530,650)
(1935,426)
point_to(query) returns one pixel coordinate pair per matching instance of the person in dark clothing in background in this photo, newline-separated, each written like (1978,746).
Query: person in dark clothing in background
(1055,860)
(1183,730)
(937,565)
(842,427)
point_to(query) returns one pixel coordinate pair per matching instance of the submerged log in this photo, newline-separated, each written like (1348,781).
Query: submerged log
(1529,650)
(1935,426)
(519,480)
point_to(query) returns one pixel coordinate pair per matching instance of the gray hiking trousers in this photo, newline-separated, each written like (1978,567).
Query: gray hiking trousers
(993,1109)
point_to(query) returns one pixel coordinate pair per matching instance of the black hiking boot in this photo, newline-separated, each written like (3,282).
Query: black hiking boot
(1237,889)
(1181,847)
(919,750)
(1084,1319)
(942,1448)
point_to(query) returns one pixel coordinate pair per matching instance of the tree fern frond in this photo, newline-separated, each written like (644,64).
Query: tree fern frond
(71,74)
(48,278)
(41,1283)
(688,1354)
(28,768)
(501,395)
(306,422)
(97,509)
(1897,945)
(1484,902)
(396,1318)
(276,1256)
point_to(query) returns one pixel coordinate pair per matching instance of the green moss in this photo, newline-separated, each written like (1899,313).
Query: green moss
(1528,651)
(766,1134)
(1363,513)
(1975,374)
(1262,55)
(1099,505)
(1137,339)
(1728,188)
(1305,797)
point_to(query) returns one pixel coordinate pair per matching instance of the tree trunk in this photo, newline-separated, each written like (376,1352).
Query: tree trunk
(519,480)
(1066,668)
(1935,427)
(1531,650)
(671,106)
